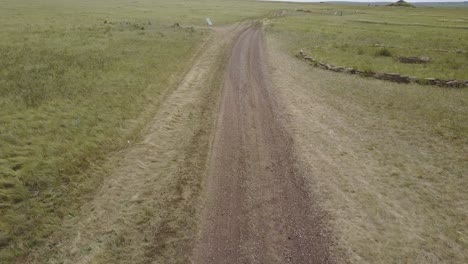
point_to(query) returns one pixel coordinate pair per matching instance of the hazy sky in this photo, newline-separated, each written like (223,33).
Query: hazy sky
(411,1)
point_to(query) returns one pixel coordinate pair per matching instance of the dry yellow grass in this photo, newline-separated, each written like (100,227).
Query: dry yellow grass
(389,160)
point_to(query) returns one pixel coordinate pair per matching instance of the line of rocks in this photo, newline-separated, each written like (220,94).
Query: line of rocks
(437,50)
(393,77)
(414,60)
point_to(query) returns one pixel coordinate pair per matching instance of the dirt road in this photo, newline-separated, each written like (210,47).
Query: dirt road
(258,207)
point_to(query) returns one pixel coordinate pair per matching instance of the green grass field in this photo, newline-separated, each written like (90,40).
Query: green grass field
(357,37)
(79,79)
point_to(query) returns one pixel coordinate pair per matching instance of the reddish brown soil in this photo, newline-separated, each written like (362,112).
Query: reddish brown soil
(259,208)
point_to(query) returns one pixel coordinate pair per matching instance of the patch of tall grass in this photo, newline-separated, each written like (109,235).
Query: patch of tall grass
(383,52)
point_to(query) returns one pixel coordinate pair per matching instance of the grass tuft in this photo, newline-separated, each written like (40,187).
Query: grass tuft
(384,52)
